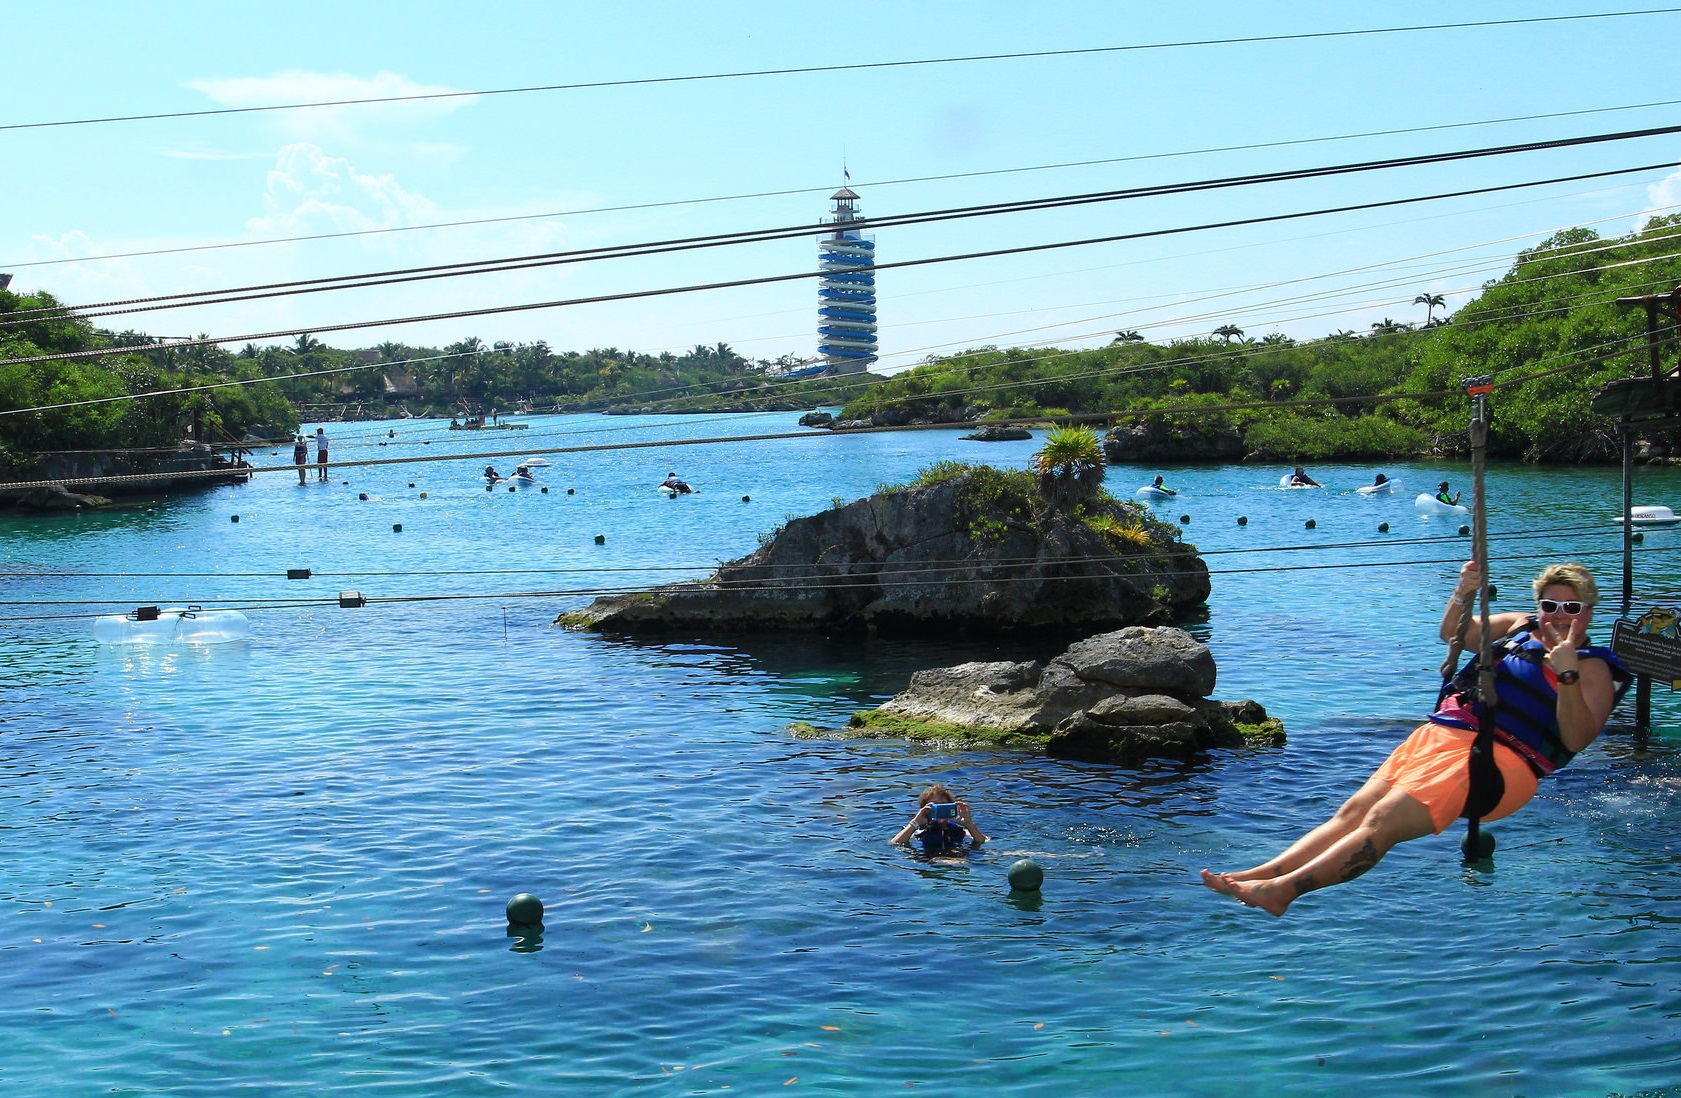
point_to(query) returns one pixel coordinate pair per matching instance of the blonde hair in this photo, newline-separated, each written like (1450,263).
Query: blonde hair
(1574,576)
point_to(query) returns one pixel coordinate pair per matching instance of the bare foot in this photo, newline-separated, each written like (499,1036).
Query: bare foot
(1219,882)
(1268,896)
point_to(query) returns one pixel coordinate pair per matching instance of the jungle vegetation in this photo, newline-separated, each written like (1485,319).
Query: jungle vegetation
(78,403)
(1549,331)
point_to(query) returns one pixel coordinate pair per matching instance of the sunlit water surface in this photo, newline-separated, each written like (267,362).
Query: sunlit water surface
(281,864)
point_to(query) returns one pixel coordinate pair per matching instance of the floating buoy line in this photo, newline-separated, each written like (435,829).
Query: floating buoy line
(905,577)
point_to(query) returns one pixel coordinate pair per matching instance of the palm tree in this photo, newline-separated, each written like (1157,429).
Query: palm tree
(1229,332)
(1128,336)
(1069,466)
(1277,339)
(306,344)
(1431,303)
(1385,327)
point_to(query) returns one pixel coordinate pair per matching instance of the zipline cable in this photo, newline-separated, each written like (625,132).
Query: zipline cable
(861,66)
(872,184)
(803,275)
(752,236)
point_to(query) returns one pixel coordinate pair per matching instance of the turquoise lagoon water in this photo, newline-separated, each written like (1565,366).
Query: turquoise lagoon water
(281,864)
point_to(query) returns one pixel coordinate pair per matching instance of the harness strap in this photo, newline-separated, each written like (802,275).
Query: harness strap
(1488,786)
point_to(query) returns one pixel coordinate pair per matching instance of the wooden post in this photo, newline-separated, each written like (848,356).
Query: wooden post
(1626,431)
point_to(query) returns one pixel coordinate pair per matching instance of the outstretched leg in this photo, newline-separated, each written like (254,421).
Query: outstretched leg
(1317,841)
(1395,818)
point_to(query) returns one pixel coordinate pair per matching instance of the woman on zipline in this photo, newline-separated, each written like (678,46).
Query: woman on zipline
(1553,695)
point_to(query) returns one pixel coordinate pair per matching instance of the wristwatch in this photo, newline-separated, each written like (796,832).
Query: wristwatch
(1568,678)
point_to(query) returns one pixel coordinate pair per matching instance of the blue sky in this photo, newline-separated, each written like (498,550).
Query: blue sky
(647,153)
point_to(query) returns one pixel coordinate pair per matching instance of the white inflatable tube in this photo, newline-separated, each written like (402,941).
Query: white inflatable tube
(172,625)
(1428,504)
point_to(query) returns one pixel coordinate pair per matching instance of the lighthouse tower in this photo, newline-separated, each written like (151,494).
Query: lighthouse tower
(846,293)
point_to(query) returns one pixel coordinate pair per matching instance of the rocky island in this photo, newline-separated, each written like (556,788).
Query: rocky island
(977,552)
(1125,697)
(968,551)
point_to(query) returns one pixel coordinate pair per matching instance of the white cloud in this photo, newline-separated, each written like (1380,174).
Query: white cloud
(297,86)
(1662,197)
(310,192)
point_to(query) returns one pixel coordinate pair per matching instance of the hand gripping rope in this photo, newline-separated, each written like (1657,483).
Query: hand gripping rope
(1487,786)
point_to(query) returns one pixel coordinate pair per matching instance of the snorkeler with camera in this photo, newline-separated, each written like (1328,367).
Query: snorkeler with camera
(942,822)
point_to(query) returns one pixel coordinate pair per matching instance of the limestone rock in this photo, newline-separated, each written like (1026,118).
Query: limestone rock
(1178,438)
(941,560)
(1122,697)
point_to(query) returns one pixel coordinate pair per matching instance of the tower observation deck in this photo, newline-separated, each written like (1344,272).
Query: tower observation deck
(846,292)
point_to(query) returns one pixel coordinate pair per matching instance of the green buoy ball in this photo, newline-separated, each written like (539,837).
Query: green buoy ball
(362,495)
(525,910)
(1184,520)
(601,539)
(1485,846)
(1383,528)
(236,518)
(747,499)
(1243,520)
(571,491)
(1464,531)
(1637,537)
(1027,875)
(1311,524)
(396,527)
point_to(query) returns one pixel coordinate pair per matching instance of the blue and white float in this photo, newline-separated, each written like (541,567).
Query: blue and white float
(1150,491)
(172,625)
(1651,516)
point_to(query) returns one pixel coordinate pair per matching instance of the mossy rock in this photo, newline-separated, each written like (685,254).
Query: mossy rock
(874,725)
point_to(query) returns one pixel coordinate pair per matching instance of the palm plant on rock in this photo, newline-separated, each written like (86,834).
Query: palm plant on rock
(1070,466)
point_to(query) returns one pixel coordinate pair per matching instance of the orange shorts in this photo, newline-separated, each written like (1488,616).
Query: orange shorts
(1433,767)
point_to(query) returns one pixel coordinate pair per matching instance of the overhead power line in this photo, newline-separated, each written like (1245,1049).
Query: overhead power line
(755,236)
(854,67)
(320,329)
(875,183)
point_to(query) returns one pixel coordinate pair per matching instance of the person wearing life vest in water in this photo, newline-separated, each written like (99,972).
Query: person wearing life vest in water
(490,473)
(942,822)
(1443,497)
(676,484)
(1299,479)
(1554,694)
